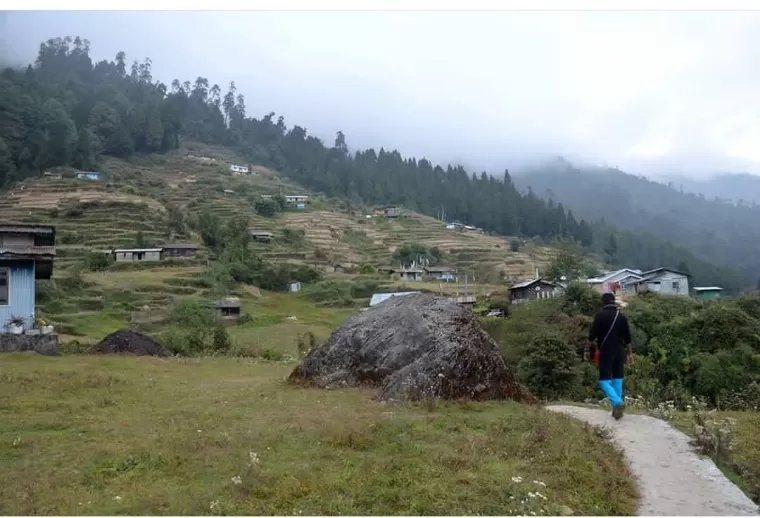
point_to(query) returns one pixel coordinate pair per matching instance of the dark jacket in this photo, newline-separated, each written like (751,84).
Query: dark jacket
(620,336)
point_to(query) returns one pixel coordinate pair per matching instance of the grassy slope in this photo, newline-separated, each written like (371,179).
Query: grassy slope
(140,189)
(168,436)
(95,215)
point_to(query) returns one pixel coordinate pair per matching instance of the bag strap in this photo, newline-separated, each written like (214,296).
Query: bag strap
(617,312)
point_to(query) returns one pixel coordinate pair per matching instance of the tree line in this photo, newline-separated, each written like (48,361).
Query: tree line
(66,110)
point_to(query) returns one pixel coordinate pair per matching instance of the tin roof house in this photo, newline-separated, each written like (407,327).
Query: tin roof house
(27,253)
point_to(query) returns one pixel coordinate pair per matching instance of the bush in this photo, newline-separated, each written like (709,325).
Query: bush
(550,369)
(367,269)
(97,262)
(266,207)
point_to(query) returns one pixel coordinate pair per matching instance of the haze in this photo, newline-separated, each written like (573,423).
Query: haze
(649,92)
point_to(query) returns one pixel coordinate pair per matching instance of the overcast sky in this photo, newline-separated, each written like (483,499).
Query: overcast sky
(649,92)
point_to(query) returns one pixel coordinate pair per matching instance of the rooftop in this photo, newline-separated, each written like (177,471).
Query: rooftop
(525,284)
(21,228)
(26,251)
(708,288)
(180,245)
(129,250)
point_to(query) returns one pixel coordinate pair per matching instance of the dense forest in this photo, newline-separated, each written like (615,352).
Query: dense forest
(66,110)
(715,230)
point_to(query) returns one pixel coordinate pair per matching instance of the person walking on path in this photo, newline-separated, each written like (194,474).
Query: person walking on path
(612,334)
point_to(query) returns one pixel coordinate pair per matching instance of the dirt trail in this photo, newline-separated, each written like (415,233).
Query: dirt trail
(673,480)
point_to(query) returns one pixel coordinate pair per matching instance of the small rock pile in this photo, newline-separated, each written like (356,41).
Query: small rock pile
(125,341)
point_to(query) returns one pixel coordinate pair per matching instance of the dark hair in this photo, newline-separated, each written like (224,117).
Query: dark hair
(608,298)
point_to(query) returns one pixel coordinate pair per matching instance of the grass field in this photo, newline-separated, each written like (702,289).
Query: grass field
(123,435)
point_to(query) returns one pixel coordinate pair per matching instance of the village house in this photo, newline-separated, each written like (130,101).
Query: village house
(126,255)
(261,236)
(707,292)
(27,253)
(88,175)
(294,287)
(533,289)
(392,211)
(179,250)
(441,273)
(296,198)
(53,175)
(624,280)
(410,274)
(665,281)
(239,169)
(228,307)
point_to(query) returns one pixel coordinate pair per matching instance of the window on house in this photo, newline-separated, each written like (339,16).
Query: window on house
(675,286)
(4,286)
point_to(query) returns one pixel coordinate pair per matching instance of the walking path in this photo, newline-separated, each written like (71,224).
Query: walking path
(673,479)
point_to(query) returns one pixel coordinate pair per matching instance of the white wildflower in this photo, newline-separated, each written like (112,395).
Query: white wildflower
(214,505)
(17,441)
(237,481)
(117,498)
(253,458)
(539,483)
(517,480)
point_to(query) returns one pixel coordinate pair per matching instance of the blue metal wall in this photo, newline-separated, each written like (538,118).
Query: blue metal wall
(21,285)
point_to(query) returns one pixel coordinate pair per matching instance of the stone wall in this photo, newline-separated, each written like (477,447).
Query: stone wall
(43,344)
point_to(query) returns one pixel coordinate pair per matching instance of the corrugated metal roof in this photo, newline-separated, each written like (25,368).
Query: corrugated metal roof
(133,250)
(27,250)
(27,229)
(180,245)
(438,269)
(708,288)
(377,298)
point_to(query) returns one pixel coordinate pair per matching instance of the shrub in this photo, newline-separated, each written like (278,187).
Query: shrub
(266,207)
(550,367)
(97,262)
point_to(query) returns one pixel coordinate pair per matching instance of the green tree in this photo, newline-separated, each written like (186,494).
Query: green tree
(266,207)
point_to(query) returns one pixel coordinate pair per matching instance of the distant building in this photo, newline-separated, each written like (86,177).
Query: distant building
(624,280)
(179,250)
(239,169)
(707,292)
(126,255)
(665,281)
(88,175)
(228,307)
(533,289)
(294,287)
(393,211)
(261,236)
(410,274)
(296,198)
(441,273)
(27,253)
(48,174)
(377,298)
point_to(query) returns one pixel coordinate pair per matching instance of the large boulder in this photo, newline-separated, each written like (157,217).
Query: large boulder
(413,347)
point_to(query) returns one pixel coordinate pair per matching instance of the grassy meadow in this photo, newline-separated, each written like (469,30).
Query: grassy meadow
(124,435)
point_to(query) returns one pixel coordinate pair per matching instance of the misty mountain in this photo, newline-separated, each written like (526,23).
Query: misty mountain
(718,231)
(67,110)
(742,188)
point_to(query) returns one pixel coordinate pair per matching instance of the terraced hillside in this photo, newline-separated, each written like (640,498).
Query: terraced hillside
(136,196)
(136,201)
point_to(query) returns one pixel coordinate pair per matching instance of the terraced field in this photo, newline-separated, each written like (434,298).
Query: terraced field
(135,200)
